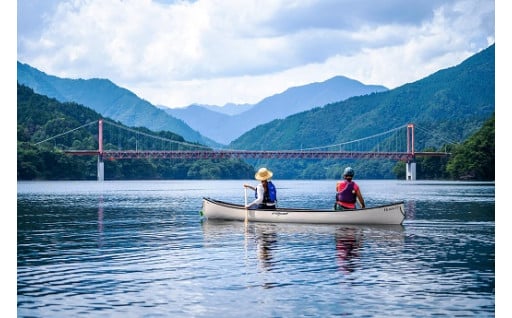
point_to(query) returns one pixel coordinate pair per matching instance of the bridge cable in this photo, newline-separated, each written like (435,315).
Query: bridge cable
(353,141)
(436,136)
(67,132)
(156,137)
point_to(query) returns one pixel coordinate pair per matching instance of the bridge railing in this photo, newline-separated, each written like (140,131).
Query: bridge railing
(253,154)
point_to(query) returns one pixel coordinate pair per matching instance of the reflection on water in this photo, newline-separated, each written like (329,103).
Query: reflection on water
(348,243)
(265,241)
(273,244)
(410,208)
(140,249)
(100,222)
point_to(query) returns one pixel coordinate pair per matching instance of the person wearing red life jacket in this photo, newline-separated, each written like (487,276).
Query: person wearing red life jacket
(348,192)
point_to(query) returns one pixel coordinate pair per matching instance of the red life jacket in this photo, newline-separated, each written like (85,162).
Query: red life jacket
(348,194)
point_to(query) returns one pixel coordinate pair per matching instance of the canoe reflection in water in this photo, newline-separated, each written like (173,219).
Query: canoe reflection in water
(277,245)
(265,241)
(348,244)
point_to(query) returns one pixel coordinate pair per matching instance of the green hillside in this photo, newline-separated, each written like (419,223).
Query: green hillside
(452,104)
(109,100)
(40,117)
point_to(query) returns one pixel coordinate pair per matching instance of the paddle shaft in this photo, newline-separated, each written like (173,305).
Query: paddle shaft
(246,209)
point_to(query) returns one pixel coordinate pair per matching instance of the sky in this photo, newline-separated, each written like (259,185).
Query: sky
(176,53)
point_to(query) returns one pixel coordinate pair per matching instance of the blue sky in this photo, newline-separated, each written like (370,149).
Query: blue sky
(176,53)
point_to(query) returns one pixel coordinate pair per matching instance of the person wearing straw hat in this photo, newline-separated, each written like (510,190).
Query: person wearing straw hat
(266,197)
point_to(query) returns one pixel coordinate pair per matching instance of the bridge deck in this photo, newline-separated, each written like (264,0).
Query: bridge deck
(254,154)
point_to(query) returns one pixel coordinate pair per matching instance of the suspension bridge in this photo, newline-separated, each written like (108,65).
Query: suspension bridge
(389,145)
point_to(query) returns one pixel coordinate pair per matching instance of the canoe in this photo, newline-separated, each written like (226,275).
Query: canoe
(393,213)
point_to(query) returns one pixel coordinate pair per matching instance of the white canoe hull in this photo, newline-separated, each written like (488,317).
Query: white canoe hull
(384,214)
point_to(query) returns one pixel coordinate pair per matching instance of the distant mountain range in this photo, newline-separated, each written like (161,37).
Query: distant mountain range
(227,109)
(211,125)
(225,128)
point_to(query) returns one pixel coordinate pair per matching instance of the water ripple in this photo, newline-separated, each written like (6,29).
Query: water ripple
(140,250)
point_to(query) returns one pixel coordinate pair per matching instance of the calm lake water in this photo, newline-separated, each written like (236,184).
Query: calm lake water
(140,249)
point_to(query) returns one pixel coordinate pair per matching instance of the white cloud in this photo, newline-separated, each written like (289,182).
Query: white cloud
(176,53)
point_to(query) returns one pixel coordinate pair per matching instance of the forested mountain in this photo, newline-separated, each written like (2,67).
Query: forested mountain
(108,99)
(225,128)
(40,118)
(451,104)
(455,104)
(203,124)
(475,158)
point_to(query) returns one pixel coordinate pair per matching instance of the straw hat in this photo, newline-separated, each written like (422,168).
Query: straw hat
(263,174)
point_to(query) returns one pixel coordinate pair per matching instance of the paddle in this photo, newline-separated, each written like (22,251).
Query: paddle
(246,210)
